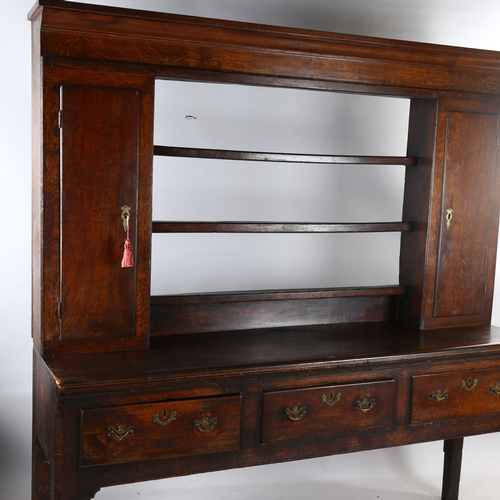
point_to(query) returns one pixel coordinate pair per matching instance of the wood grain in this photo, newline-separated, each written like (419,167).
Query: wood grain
(222,154)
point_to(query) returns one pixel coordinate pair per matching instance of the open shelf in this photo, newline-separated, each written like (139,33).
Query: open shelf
(223,154)
(259,295)
(278,227)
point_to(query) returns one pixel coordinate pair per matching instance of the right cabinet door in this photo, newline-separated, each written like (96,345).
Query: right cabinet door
(467,229)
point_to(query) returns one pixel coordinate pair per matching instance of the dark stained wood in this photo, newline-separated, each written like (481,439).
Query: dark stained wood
(343,347)
(281,452)
(327,411)
(41,473)
(455,395)
(452,466)
(279,227)
(417,196)
(46,332)
(468,190)
(225,46)
(221,154)
(448,175)
(173,314)
(168,319)
(260,295)
(160,430)
(245,357)
(99,137)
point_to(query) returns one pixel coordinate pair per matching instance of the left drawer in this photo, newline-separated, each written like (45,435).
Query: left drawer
(159,430)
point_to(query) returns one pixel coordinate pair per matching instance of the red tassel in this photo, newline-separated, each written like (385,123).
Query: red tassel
(128,253)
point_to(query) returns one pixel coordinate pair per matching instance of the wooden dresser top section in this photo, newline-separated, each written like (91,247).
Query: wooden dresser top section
(350,347)
(177,46)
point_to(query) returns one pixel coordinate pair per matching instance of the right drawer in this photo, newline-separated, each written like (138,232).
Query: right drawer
(455,395)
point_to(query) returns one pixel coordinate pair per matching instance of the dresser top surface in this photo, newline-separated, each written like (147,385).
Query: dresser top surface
(266,351)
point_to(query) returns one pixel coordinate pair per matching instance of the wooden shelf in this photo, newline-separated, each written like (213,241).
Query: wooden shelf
(278,227)
(223,154)
(261,295)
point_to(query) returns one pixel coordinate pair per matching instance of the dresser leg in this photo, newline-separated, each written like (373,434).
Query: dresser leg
(40,473)
(452,466)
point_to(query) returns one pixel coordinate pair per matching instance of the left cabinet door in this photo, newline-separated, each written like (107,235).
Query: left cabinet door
(99,131)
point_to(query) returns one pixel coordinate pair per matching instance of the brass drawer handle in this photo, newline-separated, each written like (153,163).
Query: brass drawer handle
(365,406)
(439,396)
(331,399)
(206,425)
(295,413)
(157,419)
(121,433)
(495,389)
(470,384)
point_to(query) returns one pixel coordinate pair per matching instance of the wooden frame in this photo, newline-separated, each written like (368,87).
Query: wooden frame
(250,369)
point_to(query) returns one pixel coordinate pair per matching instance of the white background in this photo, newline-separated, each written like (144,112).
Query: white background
(411,472)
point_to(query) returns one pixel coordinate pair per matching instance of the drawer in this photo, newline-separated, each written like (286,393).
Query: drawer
(326,411)
(160,430)
(455,395)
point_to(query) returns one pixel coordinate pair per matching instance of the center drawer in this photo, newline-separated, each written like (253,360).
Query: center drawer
(325,411)
(160,430)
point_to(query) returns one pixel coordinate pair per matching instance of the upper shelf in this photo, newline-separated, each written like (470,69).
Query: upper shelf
(224,154)
(278,227)
(181,46)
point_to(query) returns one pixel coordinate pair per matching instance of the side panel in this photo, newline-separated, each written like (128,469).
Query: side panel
(99,175)
(416,209)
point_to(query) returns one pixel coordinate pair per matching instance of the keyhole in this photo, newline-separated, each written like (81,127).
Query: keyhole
(449,216)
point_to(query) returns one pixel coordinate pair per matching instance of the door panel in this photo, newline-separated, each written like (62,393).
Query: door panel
(470,165)
(99,172)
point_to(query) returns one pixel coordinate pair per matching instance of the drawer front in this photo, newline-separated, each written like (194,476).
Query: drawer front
(455,395)
(325,411)
(160,430)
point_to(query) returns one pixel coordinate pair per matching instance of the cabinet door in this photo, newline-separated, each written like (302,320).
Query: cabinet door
(466,214)
(99,175)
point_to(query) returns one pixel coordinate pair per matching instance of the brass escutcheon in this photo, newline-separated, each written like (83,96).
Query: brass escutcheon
(365,406)
(449,216)
(125,216)
(121,433)
(470,384)
(495,389)
(295,413)
(331,399)
(439,395)
(206,425)
(157,419)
